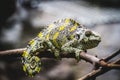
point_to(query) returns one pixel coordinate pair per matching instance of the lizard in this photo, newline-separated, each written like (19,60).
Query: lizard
(64,35)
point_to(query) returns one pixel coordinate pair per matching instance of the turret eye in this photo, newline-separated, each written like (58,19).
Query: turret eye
(77,36)
(88,33)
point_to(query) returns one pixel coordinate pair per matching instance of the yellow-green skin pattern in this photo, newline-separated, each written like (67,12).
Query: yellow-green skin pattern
(65,35)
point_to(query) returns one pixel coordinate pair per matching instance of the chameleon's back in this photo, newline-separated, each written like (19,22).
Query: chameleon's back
(60,32)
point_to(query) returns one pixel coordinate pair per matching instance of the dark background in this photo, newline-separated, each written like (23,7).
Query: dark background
(21,20)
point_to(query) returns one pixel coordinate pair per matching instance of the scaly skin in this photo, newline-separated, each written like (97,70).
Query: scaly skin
(65,35)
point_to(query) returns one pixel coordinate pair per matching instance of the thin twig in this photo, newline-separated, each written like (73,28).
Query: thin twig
(112,55)
(12,52)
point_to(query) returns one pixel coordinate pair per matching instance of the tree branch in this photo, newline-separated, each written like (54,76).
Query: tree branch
(93,74)
(83,55)
(12,52)
(103,65)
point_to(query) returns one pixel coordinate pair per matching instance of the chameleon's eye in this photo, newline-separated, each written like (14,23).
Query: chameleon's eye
(77,36)
(88,33)
(80,26)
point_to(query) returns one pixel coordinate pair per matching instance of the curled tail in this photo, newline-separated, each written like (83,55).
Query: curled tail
(31,62)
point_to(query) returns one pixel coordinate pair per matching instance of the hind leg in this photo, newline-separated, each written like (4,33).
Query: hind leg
(53,49)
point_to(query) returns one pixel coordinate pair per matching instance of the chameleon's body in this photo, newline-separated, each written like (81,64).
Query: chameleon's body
(65,35)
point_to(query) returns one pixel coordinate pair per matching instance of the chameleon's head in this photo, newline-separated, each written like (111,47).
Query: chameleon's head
(89,39)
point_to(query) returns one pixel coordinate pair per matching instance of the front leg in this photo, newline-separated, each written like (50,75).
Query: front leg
(53,49)
(68,47)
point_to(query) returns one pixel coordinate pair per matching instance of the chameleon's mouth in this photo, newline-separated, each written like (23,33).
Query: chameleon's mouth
(90,44)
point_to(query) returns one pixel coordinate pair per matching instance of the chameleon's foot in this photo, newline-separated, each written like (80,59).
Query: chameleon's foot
(57,54)
(77,55)
(32,66)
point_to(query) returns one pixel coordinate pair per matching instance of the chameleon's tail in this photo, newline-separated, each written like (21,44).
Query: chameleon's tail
(31,62)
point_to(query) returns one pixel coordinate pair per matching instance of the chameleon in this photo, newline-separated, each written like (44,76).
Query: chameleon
(64,35)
